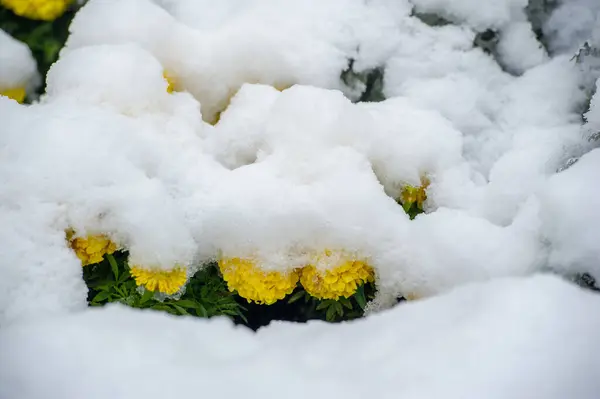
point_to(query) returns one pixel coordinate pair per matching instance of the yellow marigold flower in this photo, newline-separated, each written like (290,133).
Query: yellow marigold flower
(171,81)
(46,10)
(92,248)
(254,284)
(411,195)
(343,279)
(165,281)
(17,94)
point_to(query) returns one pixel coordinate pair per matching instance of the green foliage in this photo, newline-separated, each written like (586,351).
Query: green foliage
(300,307)
(206,294)
(336,310)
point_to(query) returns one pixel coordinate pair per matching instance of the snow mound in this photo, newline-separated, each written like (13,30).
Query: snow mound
(513,338)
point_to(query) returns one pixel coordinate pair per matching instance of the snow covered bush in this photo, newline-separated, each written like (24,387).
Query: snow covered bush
(187,152)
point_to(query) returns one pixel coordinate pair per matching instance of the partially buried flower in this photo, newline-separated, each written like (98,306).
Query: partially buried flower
(415,195)
(17,94)
(155,279)
(92,248)
(255,284)
(46,10)
(172,82)
(338,275)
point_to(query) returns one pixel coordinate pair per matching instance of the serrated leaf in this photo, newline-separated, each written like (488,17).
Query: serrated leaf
(323,305)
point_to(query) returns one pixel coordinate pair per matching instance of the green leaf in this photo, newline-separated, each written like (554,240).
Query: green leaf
(201,311)
(324,304)
(181,310)
(146,296)
(360,297)
(160,306)
(113,265)
(338,308)
(298,295)
(101,296)
(106,286)
(330,315)
(124,276)
(346,302)
(187,303)
(120,291)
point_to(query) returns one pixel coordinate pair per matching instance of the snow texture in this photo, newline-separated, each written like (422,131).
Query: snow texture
(513,338)
(18,68)
(294,167)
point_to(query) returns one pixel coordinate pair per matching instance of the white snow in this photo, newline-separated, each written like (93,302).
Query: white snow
(18,68)
(513,338)
(571,216)
(479,15)
(571,24)
(294,167)
(291,172)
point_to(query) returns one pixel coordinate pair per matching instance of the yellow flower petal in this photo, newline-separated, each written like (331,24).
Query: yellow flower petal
(166,281)
(90,249)
(17,94)
(46,10)
(342,279)
(254,284)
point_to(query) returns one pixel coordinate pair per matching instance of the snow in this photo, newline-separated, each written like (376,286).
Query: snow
(294,167)
(515,338)
(571,24)
(592,117)
(478,15)
(18,68)
(572,232)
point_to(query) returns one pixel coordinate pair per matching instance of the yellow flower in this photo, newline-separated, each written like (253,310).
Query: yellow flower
(254,284)
(171,81)
(342,279)
(92,248)
(165,281)
(46,10)
(415,195)
(17,94)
